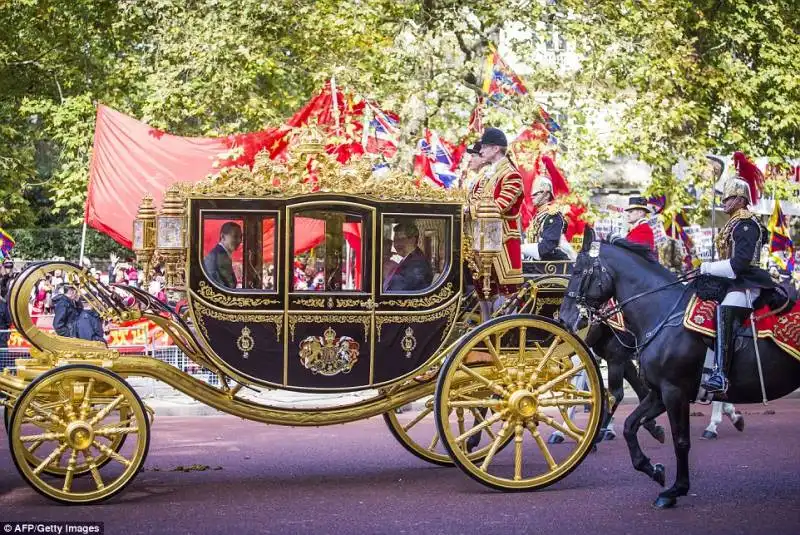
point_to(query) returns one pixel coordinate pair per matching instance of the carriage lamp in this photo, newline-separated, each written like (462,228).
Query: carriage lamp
(144,236)
(171,240)
(487,239)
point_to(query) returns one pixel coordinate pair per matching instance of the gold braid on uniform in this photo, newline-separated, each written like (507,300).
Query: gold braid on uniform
(542,213)
(725,236)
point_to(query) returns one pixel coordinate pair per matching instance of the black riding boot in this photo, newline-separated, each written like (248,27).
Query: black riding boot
(729,319)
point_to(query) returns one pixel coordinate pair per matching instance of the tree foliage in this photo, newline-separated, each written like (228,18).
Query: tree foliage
(677,78)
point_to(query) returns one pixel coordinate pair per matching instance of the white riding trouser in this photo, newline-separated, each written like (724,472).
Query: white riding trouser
(741,298)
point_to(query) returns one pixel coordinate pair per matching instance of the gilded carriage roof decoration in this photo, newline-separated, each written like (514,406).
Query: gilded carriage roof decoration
(308,168)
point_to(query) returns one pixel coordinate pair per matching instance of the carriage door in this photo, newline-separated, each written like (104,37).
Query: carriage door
(330,298)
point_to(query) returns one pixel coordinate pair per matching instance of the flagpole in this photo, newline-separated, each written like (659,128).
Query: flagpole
(721,162)
(83,243)
(335,103)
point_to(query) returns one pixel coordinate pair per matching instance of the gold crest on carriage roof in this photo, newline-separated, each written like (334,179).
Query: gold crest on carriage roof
(329,355)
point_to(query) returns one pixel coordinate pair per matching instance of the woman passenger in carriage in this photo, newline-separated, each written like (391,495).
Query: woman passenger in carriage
(414,271)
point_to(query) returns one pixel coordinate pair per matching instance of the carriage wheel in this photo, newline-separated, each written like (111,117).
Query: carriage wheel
(34,458)
(419,435)
(526,370)
(73,419)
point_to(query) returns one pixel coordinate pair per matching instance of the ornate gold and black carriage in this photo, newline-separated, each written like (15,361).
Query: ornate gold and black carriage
(304,298)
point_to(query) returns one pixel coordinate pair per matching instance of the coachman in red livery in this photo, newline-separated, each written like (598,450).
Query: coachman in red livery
(640,230)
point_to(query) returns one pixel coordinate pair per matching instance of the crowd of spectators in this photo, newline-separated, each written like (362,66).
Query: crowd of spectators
(54,296)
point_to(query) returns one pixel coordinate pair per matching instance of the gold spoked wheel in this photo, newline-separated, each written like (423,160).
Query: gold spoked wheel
(531,377)
(34,457)
(417,431)
(78,419)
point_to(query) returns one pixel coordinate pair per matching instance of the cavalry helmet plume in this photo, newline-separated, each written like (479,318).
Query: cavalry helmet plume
(550,179)
(747,183)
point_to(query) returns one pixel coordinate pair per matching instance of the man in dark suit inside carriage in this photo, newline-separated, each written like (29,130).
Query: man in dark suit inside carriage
(413,272)
(218,263)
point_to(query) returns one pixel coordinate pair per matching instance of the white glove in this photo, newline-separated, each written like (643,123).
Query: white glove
(530,251)
(720,268)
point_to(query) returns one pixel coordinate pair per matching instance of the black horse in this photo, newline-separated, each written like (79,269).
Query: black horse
(616,348)
(671,357)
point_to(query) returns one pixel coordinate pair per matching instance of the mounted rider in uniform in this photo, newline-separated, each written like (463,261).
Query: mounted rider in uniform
(545,238)
(739,244)
(640,230)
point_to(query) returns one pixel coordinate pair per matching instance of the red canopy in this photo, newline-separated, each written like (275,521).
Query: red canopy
(131,159)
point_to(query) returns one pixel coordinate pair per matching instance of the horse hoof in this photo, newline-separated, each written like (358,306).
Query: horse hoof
(709,435)
(610,435)
(738,423)
(659,474)
(664,503)
(659,434)
(555,439)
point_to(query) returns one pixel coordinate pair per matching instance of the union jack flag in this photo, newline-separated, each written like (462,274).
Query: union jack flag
(382,133)
(438,160)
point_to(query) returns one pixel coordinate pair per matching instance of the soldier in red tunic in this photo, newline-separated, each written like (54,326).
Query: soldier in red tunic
(640,230)
(499,180)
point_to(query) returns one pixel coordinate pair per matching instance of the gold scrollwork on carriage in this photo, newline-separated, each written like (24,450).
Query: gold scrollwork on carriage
(364,319)
(289,178)
(207,292)
(424,302)
(448,311)
(328,355)
(349,303)
(203,312)
(315,302)
(542,301)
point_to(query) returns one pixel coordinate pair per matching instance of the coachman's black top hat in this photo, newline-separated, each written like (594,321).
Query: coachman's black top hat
(637,203)
(491,136)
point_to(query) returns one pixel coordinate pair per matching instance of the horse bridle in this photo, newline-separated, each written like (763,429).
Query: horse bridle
(589,307)
(595,311)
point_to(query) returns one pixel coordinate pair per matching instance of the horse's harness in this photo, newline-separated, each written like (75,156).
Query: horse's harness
(596,311)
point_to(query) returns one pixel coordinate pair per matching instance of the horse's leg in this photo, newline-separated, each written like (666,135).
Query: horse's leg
(632,376)
(736,417)
(474,440)
(677,405)
(710,432)
(616,372)
(650,407)
(580,381)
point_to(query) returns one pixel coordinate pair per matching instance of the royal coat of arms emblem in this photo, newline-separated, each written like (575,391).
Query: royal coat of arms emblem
(327,354)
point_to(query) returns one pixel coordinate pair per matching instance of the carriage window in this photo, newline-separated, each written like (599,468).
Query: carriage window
(415,253)
(328,251)
(239,252)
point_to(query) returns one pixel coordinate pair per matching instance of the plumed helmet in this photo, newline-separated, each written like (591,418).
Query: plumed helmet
(748,181)
(550,179)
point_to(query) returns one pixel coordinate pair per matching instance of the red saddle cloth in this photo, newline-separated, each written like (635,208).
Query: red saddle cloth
(783,328)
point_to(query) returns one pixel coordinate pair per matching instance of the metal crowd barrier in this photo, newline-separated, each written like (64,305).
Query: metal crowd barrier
(169,354)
